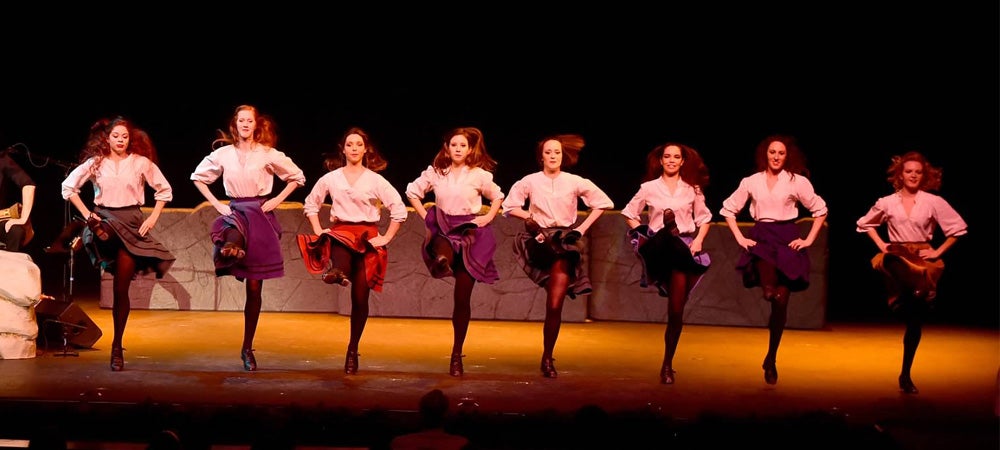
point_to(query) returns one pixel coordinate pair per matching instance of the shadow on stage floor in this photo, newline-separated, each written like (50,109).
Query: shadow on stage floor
(837,386)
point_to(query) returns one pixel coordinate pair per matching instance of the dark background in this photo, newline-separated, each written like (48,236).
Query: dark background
(856,84)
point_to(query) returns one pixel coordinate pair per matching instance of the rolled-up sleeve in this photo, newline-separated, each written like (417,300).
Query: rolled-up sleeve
(518,195)
(876,216)
(732,205)
(208,170)
(419,187)
(391,200)
(593,196)
(163,192)
(488,188)
(808,198)
(286,169)
(76,179)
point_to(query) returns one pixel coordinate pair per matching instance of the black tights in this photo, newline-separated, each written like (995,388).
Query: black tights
(777,292)
(555,291)
(122,306)
(680,286)
(353,263)
(254,289)
(462,312)
(251,312)
(913,312)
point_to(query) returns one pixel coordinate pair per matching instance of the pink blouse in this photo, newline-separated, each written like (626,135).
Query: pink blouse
(687,202)
(253,177)
(457,193)
(928,210)
(119,183)
(552,202)
(777,204)
(360,202)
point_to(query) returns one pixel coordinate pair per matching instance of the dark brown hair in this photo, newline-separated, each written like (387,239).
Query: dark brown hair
(372,159)
(693,172)
(795,161)
(97,146)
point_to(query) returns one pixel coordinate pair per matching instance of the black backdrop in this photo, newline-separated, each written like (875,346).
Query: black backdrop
(855,85)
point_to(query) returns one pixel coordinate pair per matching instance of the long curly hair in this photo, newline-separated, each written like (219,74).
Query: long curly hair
(795,161)
(477,151)
(572,144)
(693,172)
(931,181)
(97,147)
(372,159)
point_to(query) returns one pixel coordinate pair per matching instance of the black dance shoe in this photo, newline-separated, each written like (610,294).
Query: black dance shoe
(117,359)
(442,266)
(232,251)
(455,368)
(670,222)
(335,276)
(906,385)
(249,362)
(548,367)
(351,363)
(97,228)
(770,372)
(667,375)
(532,227)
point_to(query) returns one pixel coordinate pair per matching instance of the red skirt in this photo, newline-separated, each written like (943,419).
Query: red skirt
(316,250)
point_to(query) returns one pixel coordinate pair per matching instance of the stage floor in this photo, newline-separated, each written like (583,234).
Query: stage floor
(186,364)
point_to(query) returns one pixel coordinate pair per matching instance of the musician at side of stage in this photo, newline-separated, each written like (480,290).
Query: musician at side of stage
(16,232)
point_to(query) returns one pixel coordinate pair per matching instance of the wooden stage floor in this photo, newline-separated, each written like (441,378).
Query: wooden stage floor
(183,372)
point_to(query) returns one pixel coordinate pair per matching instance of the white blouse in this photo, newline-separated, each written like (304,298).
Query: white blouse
(552,202)
(928,210)
(777,204)
(119,183)
(361,202)
(253,177)
(457,193)
(687,202)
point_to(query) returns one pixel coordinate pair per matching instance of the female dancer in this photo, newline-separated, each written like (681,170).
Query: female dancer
(550,249)
(246,233)
(459,240)
(774,256)
(670,245)
(120,160)
(911,266)
(352,248)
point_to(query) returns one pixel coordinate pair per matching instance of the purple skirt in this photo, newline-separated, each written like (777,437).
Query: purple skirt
(476,245)
(772,246)
(261,234)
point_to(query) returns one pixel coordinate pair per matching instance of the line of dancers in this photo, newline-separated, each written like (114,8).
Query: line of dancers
(351,251)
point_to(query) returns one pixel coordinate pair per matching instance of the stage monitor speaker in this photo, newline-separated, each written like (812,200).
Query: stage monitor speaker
(59,319)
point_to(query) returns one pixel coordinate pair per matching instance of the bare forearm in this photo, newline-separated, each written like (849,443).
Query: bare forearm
(289,188)
(206,192)
(27,200)
(392,229)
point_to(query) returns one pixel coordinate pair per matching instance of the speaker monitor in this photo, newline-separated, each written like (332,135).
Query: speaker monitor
(58,318)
